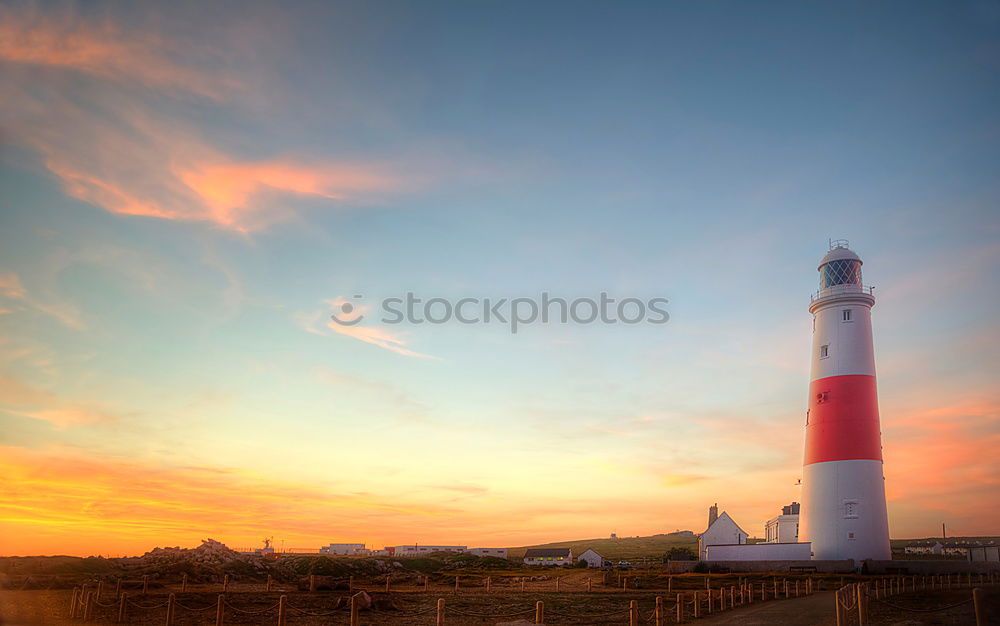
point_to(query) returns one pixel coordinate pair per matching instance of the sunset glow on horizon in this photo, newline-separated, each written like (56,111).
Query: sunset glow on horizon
(188,196)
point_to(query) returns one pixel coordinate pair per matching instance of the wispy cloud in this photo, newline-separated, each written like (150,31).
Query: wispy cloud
(313,322)
(22,399)
(114,146)
(12,288)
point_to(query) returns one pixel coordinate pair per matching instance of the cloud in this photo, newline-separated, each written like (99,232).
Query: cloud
(11,287)
(25,400)
(311,323)
(109,110)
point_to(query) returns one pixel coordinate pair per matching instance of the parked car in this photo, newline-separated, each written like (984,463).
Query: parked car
(624,564)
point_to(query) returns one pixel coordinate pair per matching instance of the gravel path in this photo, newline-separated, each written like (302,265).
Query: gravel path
(814,610)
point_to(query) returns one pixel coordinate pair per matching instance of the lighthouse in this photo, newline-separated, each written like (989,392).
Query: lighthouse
(843,487)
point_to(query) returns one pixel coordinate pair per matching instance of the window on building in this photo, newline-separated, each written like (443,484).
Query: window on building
(847,315)
(850,509)
(850,535)
(824,351)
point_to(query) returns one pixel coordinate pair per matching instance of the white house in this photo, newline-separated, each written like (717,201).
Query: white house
(418,550)
(785,527)
(500,553)
(924,547)
(723,531)
(548,556)
(344,548)
(591,558)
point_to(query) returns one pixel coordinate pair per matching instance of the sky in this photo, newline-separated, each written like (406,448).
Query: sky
(188,192)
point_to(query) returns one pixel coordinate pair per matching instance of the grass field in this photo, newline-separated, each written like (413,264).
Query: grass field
(623,548)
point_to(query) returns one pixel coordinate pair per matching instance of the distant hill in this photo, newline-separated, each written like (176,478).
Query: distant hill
(623,548)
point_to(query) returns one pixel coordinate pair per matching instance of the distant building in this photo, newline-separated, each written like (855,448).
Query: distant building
(418,550)
(614,535)
(722,531)
(785,527)
(548,556)
(591,558)
(500,553)
(354,549)
(985,553)
(924,547)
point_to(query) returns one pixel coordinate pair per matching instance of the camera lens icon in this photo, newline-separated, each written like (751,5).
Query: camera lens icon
(346,309)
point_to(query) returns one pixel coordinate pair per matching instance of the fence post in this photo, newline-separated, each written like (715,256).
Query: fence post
(456,584)
(269,584)
(840,612)
(977,604)
(658,612)
(225,583)
(732,596)
(282,610)
(722,598)
(387,577)
(100,587)
(633,613)
(489,581)
(522,583)
(88,606)
(122,599)
(170,609)
(220,609)
(796,588)
(425,581)
(670,583)
(680,608)
(72,602)
(145,584)
(707,585)
(312,583)
(440,613)
(588,584)
(697,604)
(862,606)
(763,592)
(539,612)
(557,582)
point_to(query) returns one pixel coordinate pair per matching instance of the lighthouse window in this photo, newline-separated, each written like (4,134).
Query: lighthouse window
(824,351)
(847,315)
(850,509)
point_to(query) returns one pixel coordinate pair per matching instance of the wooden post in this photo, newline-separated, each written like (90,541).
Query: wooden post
(763,592)
(722,598)
(73,601)
(122,600)
(708,596)
(707,585)
(456,584)
(440,613)
(670,583)
(489,580)
(658,612)
(100,588)
(184,583)
(170,609)
(220,609)
(145,584)
(742,596)
(522,583)
(796,588)
(354,609)
(425,581)
(312,584)
(624,583)
(862,606)
(88,606)
(269,584)
(118,588)
(225,584)
(588,584)
(840,611)
(282,610)
(977,604)
(697,605)
(775,588)
(680,608)
(539,612)
(387,577)
(786,588)
(557,582)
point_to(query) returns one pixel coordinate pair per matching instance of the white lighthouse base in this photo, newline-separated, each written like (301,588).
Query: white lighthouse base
(843,510)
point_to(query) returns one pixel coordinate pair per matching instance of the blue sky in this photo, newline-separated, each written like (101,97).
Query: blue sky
(184,191)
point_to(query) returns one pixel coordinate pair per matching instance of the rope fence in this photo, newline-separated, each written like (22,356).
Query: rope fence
(852,601)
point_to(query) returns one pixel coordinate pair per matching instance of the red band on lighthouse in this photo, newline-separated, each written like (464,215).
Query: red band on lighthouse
(843,420)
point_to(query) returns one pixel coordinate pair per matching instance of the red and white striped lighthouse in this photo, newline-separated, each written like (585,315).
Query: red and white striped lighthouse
(843,487)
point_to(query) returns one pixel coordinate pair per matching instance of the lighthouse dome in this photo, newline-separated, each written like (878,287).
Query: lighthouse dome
(840,266)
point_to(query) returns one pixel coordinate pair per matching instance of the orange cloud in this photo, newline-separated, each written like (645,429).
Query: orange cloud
(21,399)
(113,146)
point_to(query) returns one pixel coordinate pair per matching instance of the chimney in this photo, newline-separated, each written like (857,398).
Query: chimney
(713,513)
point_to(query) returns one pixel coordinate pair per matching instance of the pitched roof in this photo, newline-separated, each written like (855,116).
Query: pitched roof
(537,552)
(726,515)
